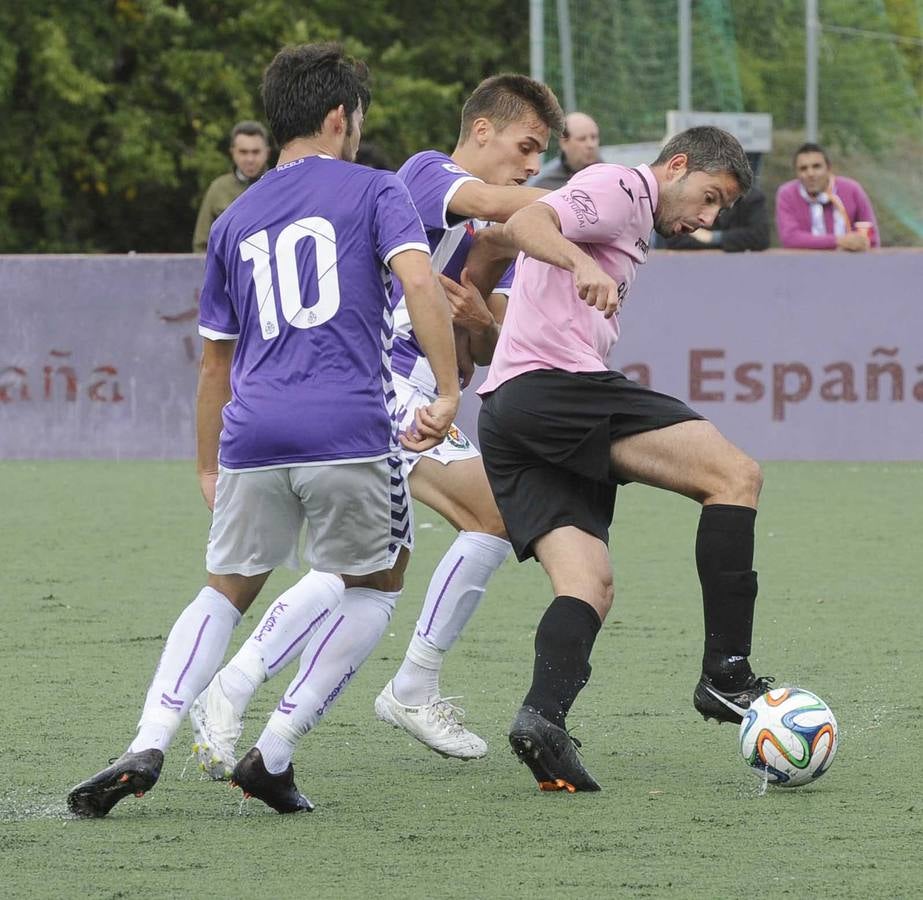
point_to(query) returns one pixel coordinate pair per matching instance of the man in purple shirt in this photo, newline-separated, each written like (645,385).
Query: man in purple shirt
(297,417)
(505,124)
(822,211)
(560,431)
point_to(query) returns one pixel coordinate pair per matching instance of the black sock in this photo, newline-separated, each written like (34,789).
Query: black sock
(724,558)
(563,643)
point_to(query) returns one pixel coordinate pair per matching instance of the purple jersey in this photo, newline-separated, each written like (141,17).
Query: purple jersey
(432,179)
(296,272)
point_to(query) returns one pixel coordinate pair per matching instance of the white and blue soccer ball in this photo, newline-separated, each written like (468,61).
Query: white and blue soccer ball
(788,737)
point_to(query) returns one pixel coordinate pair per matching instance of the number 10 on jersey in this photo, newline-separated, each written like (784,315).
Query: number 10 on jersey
(256,248)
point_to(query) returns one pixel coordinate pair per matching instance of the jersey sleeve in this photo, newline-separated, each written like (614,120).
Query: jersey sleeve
(432,179)
(595,206)
(217,316)
(396,224)
(505,284)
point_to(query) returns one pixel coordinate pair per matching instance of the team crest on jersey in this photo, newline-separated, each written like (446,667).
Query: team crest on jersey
(451,167)
(456,439)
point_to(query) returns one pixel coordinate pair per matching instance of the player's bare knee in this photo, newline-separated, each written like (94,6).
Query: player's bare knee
(596,589)
(490,523)
(605,594)
(747,481)
(390,581)
(738,482)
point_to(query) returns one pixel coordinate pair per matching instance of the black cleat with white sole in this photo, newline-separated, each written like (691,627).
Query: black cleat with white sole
(730,705)
(550,752)
(278,791)
(131,773)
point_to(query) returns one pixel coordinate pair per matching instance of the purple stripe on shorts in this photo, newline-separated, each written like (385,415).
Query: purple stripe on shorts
(429,624)
(336,625)
(297,639)
(195,648)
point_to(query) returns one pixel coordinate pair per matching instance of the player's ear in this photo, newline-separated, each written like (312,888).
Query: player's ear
(677,165)
(482,129)
(336,119)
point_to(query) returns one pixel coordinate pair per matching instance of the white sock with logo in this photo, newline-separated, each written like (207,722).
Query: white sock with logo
(454,594)
(331,658)
(280,636)
(193,651)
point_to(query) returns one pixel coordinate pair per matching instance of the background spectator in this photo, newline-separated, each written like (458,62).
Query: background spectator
(249,151)
(822,211)
(579,148)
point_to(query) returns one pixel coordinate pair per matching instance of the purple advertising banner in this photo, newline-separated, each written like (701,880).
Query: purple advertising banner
(98,356)
(794,355)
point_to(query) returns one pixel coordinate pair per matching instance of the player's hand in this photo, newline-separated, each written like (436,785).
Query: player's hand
(702,235)
(430,424)
(469,310)
(595,287)
(855,241)
(208,482)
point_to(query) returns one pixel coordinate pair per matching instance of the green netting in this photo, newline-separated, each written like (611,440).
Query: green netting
(749,56)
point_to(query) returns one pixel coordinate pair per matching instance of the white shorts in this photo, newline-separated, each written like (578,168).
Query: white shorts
(456,445)
(358,516)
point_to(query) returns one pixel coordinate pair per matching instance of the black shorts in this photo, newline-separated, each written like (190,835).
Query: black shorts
(546,436)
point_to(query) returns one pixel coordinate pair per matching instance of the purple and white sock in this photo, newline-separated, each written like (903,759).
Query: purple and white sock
(454,594)
(193,651)
(280,636)
(331,658)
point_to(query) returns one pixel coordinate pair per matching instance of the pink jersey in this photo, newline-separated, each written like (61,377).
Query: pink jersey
(608,211)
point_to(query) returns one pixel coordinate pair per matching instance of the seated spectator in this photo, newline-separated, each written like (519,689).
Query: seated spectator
(745,226)
(822,211)
(579,148)
(249,152)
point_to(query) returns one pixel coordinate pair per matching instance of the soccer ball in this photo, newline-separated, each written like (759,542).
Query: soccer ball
(788,737)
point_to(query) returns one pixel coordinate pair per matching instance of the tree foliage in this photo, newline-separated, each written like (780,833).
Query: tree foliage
(117,113)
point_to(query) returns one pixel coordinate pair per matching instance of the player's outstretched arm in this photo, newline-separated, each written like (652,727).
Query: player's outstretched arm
(432,325)
(491,202)
(536,231)
(213,392)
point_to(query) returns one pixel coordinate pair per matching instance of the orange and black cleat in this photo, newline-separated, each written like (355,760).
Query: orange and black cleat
(550,753)
(559,784)
(131,773)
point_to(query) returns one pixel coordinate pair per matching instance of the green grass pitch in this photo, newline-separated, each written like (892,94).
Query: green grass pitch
(98,558)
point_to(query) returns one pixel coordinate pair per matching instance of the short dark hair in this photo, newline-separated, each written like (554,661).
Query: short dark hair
(250,128)
(710,149)
(811,147)
(303,83)
(506,98)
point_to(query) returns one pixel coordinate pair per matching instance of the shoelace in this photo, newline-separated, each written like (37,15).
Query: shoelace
(447,714)
(763,682)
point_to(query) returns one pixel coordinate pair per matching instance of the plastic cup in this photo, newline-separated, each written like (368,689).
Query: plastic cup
(864,228)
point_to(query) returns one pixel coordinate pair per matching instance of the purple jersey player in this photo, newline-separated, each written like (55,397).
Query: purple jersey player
(296,380)
(505,124)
